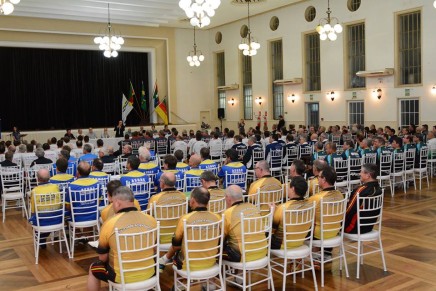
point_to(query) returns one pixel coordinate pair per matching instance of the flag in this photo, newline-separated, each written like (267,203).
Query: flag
(162,111)
(126,107)
(155,96)
(143,100)
(131,94)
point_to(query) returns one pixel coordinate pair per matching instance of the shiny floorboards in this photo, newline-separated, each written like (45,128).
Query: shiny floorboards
(409,239)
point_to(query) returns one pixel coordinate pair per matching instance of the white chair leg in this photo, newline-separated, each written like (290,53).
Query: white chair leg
(382,254)
(358,260)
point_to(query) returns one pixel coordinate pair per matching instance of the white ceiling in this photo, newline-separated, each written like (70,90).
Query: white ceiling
(137,12)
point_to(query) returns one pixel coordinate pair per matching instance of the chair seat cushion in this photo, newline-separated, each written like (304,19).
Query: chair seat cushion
(294,253)
(253,265)
(328,243)
(142,285)
(369,236)
(196,275)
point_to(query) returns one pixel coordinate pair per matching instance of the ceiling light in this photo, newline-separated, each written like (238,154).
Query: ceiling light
(199,11)
(109,42)
(249,45)
(195,56)
(329,27)
(7,6)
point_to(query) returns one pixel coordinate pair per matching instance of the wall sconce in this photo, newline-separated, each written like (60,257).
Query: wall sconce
(292,97)
(433,89)
(259,100)
(232,101)
(332,95)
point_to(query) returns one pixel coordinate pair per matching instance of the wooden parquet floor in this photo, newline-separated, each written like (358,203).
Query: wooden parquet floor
(408,232)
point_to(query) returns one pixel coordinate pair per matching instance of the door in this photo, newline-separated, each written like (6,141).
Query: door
(312,114)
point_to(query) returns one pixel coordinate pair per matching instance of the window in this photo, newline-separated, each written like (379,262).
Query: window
(353,5)
(356,54)
(310,14)
(409,29)
(221,79)
(356,113)
(277,74)
(409,112)
(312,113)
(313,62)
(247,88)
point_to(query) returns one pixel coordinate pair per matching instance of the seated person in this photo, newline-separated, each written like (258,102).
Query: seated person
(109,211)
(194,172)
(247,159)
(147,166)
(97,171)
(41,160)
(232,227)
(208,180)
(129,220)
(297,190)
(206,162)
(87,155)
(181,166)
(199,215)
(169,166)
(61,176)
(318,166)
(232,166)
(369,188)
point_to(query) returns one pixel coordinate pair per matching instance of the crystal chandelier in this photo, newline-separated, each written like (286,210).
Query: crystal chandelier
(7,6)
(195,57)
(109,42)
(329,27)
(249,45)
(199,11)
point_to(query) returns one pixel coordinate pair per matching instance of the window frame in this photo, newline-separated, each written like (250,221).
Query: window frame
(350,76)
(400,111)
(276,66)
(358,115)
(308,52)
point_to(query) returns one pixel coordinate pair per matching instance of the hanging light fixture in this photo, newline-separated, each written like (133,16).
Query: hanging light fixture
(249,45)
(329,27)
(7,6)
(434,4)
(195,57)
(199,11)
(109,42)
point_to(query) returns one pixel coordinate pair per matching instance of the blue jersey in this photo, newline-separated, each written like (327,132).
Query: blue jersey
(350,154)
(87,158)
(330,159)
(84,211)
(134,177)
(149,168)
(183,167)
(232,168)
(194,174)
(179,176)
(209,165)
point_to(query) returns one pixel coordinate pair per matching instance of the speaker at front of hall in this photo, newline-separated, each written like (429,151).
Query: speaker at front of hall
(221,113)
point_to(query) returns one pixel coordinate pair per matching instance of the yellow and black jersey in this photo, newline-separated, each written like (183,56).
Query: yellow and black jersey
(127,220)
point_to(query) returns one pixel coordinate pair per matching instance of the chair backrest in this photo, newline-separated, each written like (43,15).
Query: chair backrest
(49,208)
(275,159)
(162,146)
(385,165)
(239,179)
(267,197)
(297,223)
(103,180)
(169,216)
(241,153)
(122,163)
(346,137)
(341,168)
(255,235)
(136,144)
(18,159)
(191,182)
(140,249)
(110,168)
(409,160)
(305,151)
(291,155)
(398,163)
(257,155)
(369,212)
(423,157)
(12,179)
(354,167)
(84,204)
(70,169)
(332,216)
(28,158)
(216,150)
(339,149)
(203,243)
(31,177)
(369,158)
(336,138)
(217,206)
(180,183)
(141,192)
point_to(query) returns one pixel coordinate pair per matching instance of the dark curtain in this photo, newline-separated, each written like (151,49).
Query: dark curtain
(57,89)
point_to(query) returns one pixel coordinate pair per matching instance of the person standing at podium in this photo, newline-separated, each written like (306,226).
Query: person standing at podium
(16,133)
(119,129)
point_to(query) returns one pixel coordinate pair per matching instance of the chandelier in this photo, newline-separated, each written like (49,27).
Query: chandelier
(109,42)
(195,57)
(199,11)
(249,45)
(7,6)
(329,27)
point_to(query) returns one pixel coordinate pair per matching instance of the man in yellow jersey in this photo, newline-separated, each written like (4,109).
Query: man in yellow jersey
(44,187)
(127,220)
(109,210)
(297,190)
(326,181)
(199,215)
(318,166)
(208,181)
(232,227)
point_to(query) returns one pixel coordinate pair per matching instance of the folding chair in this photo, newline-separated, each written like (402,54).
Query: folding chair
(203,244)
(369,214)
(342,175)
(256,156)
(239,179)
(369,158)
(397,172)
(256,238)
(50,218)
(431,159)
(275,163)
(297,223)
(13,189)
(217,206)
(141,192)
(354,167)
(385,171)
(191,182)
(137,248)
(421,168)
(267,197)
(110,168)
(409,167)
(291,155)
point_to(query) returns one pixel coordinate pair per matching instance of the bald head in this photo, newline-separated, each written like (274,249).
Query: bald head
(262,169)
(168,180)
(233,194)
(194,161)
(43,176)
(83,169)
